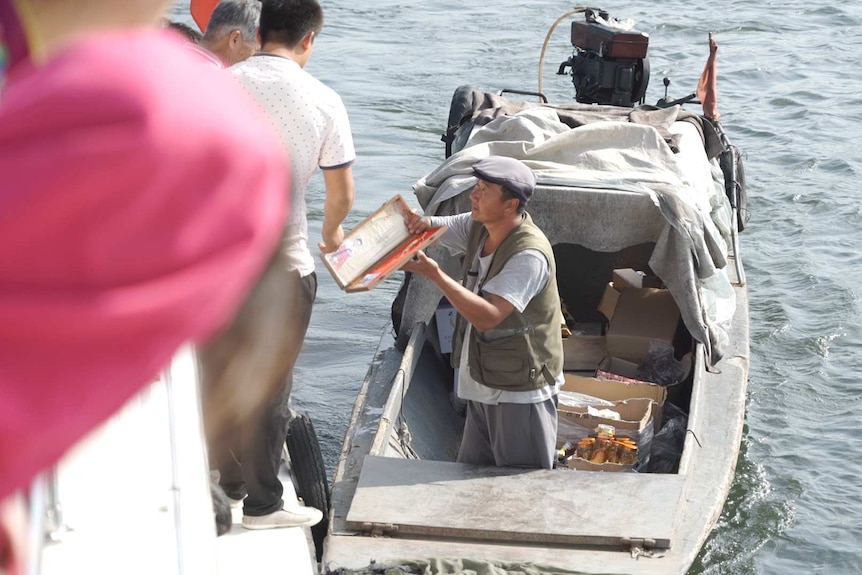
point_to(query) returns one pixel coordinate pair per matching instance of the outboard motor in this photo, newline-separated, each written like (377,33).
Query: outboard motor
(609,63)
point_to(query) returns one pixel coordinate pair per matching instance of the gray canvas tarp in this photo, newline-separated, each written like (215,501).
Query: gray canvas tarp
(613,161)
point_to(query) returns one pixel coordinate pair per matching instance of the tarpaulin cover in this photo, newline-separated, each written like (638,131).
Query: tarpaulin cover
(651,172)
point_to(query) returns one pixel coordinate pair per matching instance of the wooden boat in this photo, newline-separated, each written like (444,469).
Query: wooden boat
(628,186)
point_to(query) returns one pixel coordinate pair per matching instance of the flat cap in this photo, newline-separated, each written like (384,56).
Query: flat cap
(510,173)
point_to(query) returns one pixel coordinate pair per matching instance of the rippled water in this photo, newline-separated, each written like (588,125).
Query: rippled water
(789,94)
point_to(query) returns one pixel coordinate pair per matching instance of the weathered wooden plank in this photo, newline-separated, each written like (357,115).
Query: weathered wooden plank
(503,504)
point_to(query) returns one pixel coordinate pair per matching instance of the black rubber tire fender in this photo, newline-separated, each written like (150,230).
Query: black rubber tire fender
(309,472)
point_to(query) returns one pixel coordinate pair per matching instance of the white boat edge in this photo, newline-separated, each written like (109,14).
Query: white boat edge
(133,501)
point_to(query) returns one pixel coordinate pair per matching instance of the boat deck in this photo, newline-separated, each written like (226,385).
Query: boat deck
(446,499)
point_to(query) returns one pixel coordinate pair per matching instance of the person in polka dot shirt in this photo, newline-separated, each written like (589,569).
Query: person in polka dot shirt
(315,132)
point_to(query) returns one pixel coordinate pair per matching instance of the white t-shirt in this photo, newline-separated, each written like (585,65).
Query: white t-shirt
(312,122)
(521,279)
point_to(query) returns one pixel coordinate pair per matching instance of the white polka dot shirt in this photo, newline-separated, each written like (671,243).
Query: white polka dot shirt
(315,131)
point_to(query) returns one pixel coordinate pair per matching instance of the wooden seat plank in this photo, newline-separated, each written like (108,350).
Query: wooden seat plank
(438,498)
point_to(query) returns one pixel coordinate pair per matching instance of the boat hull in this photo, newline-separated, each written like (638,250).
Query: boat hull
(696,494)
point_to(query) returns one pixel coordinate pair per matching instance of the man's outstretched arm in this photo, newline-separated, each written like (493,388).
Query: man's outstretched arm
(340,191)
(483,313)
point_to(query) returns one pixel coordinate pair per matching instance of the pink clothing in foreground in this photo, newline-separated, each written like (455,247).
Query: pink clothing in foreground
(203,55)
(141,193)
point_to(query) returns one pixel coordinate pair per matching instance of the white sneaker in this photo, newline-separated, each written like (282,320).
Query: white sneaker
(235,503)
(293,517)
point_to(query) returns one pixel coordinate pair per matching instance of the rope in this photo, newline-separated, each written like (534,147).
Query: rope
(699,444)
(403,431)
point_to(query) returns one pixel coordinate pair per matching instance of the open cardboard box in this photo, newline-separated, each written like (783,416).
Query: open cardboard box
(636,421)
(627,277)
(618,390)
(637,316)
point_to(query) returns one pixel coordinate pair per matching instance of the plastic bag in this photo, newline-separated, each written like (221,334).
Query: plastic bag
(670,411)
(667,446)
(604,413)
(576,399)
(661,367)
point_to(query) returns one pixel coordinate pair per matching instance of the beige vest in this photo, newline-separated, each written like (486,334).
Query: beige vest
(525,351)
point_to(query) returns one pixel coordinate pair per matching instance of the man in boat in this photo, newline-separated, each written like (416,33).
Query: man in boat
(507,346)
(315,133)
(231,35)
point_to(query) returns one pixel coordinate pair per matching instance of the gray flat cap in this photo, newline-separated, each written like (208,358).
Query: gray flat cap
(510,173)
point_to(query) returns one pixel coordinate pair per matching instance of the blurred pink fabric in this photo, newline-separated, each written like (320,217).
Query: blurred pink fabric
(141,193)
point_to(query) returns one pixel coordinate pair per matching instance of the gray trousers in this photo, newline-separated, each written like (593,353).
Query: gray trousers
(248,458)
(510,434)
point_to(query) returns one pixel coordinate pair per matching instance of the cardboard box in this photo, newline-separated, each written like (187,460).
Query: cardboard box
(584,465)
(445,317)
(606,386)
(576,423)
(638,316)
(583,352)
(617,366)
(629,278)
(613,390)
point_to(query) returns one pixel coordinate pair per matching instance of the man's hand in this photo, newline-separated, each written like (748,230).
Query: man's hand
(483,313)
(331,240)
(415,223)
(339,200)
(421,264)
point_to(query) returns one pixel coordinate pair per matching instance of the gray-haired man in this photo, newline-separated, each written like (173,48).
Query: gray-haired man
(231,35)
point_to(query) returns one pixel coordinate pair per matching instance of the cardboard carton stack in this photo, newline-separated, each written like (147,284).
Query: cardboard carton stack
(640,315)
(638,405)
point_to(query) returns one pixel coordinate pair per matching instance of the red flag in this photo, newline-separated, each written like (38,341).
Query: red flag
(201,11)
(707,90)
